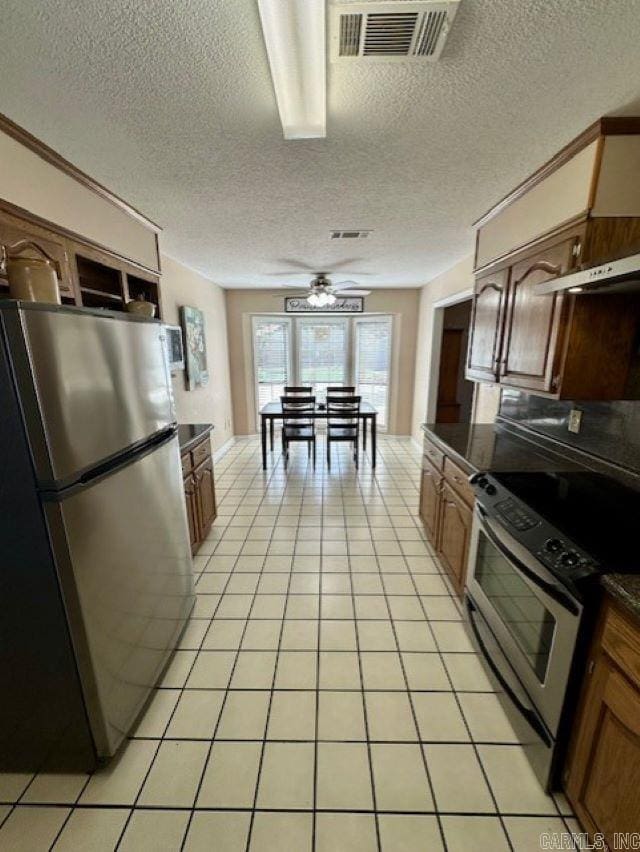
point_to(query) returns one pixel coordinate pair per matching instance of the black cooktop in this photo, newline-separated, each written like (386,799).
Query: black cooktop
(601,516)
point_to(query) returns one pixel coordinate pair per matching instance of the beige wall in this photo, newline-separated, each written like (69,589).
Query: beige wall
(212,403)
(456,280)
(241,304)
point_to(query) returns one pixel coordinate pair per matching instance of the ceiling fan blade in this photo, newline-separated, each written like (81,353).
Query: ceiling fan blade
(296,286)
(290,273)
(352,292)
(300,293)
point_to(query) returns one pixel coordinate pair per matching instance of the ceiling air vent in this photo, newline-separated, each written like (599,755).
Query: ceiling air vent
(391,31)
(349,235)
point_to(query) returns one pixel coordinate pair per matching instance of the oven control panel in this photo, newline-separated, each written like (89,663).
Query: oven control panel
(539,537)
(515,515)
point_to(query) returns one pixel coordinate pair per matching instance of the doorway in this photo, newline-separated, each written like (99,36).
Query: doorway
(455,393)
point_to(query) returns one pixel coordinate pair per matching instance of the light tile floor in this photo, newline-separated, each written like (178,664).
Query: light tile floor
(325,694)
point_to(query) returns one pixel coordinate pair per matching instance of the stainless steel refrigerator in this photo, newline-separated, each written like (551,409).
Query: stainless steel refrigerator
(96,576)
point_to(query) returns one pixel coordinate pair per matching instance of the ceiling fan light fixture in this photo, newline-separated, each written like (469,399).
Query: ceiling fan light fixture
(314,300)
(294,35)
(331,299)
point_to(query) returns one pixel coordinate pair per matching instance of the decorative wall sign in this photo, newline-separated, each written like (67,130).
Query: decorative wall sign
(342,305)
(195,347)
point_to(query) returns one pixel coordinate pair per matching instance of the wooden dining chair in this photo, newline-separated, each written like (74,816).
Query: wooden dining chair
(348,389)
(298,423)
(291,390)
(343,422)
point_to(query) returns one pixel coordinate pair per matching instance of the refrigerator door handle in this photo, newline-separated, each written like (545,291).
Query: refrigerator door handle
(111,466)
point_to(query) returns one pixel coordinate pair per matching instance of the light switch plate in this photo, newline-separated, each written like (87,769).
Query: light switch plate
(575,419)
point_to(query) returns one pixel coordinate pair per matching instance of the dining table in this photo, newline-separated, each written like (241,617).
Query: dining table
(272,411)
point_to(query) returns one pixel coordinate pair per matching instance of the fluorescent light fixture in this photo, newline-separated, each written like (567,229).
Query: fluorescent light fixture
(575,289)
(294,34)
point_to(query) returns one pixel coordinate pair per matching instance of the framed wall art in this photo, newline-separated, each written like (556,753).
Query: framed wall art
(195,347)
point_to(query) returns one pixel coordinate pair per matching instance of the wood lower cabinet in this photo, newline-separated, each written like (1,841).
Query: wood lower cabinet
(455,532)
(205,496)
(199,491)
(192,512)
(602,774)
(430,498)
(446,501)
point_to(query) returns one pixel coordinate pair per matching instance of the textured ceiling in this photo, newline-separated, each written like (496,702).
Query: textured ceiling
(170,104)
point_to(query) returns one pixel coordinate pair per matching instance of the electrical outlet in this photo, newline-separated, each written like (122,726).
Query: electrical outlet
(575,419)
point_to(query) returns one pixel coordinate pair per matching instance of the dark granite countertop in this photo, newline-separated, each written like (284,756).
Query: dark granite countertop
(489,446)
(190,433)
(493,447)
(625,588)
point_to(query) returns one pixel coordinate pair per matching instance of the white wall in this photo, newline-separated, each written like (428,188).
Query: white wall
(458,279)
(212,403)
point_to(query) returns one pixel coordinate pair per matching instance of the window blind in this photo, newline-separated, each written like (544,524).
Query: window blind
(272,348)
(322,353)
(373,357)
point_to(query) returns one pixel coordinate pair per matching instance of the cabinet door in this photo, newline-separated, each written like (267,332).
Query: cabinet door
(192,512)
(604,784)
(485,334)
(455,531)
(205,496)
(20,236)
(534,324)
(430,499)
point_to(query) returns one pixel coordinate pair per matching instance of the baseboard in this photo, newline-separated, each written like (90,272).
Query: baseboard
(416,444)
(224,448)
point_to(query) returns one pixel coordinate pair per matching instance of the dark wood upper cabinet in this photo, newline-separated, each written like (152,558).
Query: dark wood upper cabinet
(561,345)
(20,236)
(485,334)
(534,323)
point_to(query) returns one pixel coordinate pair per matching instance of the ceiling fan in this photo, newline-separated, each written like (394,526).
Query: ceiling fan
(322,292)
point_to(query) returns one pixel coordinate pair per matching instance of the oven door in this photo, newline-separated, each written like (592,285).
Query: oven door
(534,620)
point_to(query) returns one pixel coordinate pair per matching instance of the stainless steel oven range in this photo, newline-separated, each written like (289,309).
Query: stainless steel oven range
(538,544)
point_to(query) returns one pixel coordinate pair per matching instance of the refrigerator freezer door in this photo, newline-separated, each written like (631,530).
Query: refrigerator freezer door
(124,562)
(101,385)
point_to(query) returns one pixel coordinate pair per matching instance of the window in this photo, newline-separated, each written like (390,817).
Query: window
(322,352)
(271,357)
(373,359)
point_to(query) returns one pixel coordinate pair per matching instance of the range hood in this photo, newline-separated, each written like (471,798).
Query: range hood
(615,276)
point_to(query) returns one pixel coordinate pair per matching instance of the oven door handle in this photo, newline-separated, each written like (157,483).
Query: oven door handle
(530,715)
(552,590)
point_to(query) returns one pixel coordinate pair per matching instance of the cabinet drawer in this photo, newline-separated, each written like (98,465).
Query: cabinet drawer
(621,641)
(186,462)
(201,452)
(433,454)
(458,480)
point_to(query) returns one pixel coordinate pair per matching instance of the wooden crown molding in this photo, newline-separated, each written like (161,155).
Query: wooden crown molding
(46,153)
(605,126)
